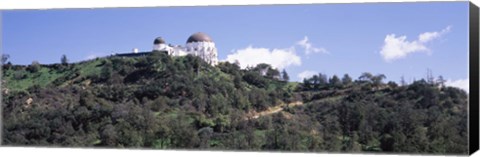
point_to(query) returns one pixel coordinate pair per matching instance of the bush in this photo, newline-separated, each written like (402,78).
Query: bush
(34,67)
(18,75)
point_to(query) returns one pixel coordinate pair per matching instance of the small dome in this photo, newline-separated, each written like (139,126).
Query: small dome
(159,40)
(199,37)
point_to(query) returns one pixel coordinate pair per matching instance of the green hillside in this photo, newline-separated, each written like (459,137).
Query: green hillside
(164,102)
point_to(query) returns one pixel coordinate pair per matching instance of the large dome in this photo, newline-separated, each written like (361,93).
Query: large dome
(199,37)
(159,40)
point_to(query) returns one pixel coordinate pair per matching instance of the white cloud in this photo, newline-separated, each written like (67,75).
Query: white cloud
(304,43)
(461,83)
(429,36)
(277,58)
(398,47)
(306,74)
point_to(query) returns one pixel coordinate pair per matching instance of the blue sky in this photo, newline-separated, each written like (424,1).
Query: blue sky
(303,39)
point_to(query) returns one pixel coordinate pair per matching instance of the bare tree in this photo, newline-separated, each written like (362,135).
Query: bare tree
(430,78)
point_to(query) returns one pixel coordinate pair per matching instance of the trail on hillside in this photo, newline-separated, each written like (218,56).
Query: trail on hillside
(282,106)
(272,110)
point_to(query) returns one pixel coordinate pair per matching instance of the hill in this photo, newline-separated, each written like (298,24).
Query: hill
(164,102)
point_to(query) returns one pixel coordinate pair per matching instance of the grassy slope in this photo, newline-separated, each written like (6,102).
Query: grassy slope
(46,75)
(43,77)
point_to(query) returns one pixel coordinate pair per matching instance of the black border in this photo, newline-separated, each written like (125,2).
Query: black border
(474,79)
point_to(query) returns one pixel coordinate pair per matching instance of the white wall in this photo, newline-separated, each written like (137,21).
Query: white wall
(205,50)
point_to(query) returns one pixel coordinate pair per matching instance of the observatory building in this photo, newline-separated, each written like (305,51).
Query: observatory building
(198,44)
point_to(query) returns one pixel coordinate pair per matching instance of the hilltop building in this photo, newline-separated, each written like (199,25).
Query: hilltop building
(198,44)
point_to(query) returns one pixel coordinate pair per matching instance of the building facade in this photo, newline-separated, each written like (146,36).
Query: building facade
(198,44)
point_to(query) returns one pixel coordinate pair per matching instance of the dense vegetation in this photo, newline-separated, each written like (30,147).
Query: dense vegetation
(164,102)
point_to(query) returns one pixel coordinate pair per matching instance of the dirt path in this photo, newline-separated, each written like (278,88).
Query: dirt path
(272,110)
(279,108)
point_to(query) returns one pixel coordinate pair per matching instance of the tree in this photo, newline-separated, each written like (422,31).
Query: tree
(204,135)
(346,80)
(285,76)
(262,68)
(273,74)
(255,79)
(108,135)
(392,84)
(402,81)
(387,143)
(34,67)
(377,79)
(306,84)
(441,81)
(64,60)
(185,136)
(430,78)
(315,80)
(323,79)
(106,71)
(366,76)
(335,82)
(237,62)
(5,58)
